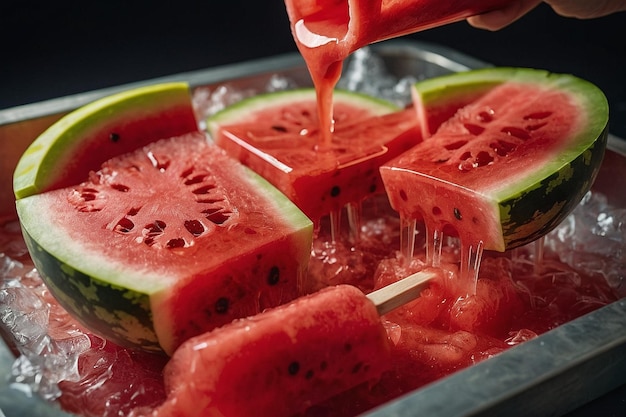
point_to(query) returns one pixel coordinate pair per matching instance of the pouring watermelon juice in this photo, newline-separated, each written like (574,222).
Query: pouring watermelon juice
(327,31)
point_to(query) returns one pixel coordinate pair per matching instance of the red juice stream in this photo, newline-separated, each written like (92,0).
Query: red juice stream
(326,32)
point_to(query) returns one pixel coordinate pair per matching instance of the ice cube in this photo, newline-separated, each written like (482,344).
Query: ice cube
(365,72)
(592,240)
(280,83)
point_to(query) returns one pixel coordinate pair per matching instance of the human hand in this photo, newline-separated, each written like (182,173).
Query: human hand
(581,9)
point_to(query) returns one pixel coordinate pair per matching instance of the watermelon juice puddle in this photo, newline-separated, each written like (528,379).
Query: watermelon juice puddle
(431,339)
(326,32)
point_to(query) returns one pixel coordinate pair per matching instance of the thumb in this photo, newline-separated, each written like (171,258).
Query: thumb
(498,19)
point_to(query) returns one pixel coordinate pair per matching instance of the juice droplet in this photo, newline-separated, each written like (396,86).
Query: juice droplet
(354,220)
(407,238)
(471,256)
(324,87)
(515,254)
(538,249)
(434,240)
(335,225)
(420,110)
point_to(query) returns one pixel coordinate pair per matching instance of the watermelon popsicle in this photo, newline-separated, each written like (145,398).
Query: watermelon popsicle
(287,359)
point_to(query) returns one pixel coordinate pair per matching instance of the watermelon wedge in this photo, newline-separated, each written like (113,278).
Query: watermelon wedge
(165,242)
(277,135)
(518,153)
(88,136)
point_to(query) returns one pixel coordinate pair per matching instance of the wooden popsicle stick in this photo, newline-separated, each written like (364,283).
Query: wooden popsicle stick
(401,292)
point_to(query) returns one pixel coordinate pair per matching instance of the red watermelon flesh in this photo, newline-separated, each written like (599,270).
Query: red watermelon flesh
(167,242)
(280,362)
(281,142)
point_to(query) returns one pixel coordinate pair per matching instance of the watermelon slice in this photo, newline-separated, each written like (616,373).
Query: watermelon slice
(277,135)
(90,135)
(280,362)
(522,148)
(165,242)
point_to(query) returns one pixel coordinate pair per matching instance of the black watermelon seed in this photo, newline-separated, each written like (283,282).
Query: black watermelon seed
(334,192)
(125,225)
(457,214)
(120,187)
(221,305)
(114,137)
(357,367)
(176,243)
(279,128)
(293,368)
(274,276)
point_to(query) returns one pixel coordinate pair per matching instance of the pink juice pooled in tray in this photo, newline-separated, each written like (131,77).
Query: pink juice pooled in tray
(440,332)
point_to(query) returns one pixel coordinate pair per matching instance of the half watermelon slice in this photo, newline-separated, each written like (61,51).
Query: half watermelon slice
(162,243)
(513,152)
(88,136)
(277,135)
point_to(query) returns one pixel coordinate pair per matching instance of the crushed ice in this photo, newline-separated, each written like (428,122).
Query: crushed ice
(592,240)
(26,317)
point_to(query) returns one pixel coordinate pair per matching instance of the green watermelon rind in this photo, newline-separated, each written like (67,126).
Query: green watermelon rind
(240,111)
(35,171)
(541,199)
(90,299)
(545,205)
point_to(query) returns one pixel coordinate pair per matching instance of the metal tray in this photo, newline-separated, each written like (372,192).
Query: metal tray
(547,376)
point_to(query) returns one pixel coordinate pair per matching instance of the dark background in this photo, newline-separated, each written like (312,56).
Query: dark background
(52,49)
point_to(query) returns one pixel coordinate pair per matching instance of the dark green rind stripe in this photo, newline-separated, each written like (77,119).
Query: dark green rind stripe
(559,192)
(91,299)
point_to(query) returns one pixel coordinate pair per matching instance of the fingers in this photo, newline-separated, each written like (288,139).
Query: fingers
(500,18)
(584,9)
